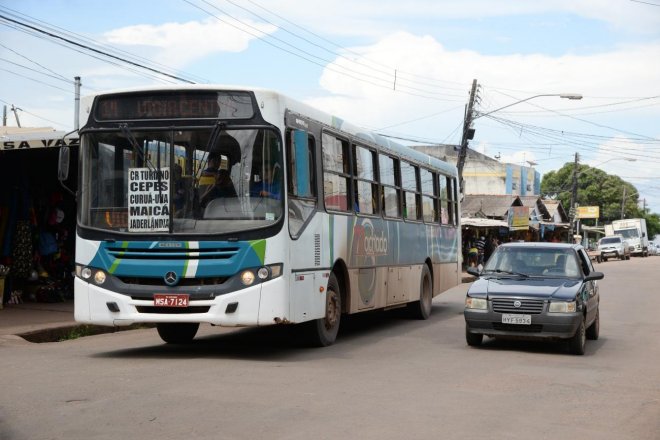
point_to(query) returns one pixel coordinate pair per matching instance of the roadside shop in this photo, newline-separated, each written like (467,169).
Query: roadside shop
(37,216)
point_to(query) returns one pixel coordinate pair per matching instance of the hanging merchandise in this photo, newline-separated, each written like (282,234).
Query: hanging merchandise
(21,254)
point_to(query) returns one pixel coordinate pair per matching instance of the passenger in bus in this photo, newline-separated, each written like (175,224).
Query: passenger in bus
(223,187)
(269,186)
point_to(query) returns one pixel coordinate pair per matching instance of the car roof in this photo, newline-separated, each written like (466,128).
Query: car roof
(541,245)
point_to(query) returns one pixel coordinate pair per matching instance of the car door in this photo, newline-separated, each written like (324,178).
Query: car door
(590,289)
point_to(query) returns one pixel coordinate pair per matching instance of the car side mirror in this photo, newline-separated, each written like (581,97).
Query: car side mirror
(594,276)
(473,271)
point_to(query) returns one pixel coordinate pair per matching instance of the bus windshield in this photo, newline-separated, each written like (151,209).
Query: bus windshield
(187,181)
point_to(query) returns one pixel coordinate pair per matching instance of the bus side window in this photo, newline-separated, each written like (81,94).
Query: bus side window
(390,184)
(301,179)
(336,173)
(300,165)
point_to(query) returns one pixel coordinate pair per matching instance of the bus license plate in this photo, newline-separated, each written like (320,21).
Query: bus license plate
(164,300)
(510,318)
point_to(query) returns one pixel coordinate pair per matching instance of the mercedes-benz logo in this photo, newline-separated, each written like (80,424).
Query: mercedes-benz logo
(171,279)
(517,304)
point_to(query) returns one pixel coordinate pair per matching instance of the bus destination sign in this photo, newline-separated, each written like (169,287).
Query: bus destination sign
(207,105)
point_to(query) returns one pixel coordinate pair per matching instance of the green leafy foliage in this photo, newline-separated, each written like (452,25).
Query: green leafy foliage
(597,188)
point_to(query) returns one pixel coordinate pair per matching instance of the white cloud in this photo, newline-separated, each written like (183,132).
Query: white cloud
(180,43)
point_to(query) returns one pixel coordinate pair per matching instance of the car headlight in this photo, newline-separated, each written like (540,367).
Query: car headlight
(562,307)
(476,303)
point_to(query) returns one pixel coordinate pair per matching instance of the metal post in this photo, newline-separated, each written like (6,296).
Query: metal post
(76,110)
(4,115)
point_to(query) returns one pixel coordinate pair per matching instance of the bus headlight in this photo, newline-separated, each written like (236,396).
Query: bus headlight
(99,277)
(84,272)
(247,277)
(263,273)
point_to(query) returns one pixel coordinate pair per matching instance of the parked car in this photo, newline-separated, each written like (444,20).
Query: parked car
(653,248)
(614,246)
(545,291)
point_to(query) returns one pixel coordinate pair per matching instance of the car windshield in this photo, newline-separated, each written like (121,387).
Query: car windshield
(610,240)
(533,261)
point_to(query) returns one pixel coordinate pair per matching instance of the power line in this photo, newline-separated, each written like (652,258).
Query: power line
(309,57)
(108,48)
(74,43)
(389,69)
(40,65)
(32,114)
(35,80)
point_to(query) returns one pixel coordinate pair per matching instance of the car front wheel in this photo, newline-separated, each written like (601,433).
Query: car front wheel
(473,339)
(577,343)
(594,328)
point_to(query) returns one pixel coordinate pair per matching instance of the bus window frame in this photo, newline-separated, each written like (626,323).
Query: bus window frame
(417,193)
(348,176)
(434,196)
(375,183)
(396,186)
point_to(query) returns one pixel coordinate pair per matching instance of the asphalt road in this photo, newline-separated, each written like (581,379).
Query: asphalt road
(386,378)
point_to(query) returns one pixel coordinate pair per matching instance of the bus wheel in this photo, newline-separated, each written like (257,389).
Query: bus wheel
(323,331)
(177,333)
(422,309)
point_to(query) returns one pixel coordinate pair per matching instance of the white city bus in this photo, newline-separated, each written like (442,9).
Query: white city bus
(242,207)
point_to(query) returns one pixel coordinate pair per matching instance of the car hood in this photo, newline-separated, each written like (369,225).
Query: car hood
(540,288)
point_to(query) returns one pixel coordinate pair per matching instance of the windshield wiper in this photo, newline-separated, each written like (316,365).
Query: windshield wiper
(507,272)
(213,138)
(134,144)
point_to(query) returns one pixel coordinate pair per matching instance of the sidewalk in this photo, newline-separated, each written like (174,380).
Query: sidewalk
(16,319)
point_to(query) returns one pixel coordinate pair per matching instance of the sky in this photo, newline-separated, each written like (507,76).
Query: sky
(403,69)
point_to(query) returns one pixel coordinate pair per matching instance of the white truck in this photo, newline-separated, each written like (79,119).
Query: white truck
(633,230)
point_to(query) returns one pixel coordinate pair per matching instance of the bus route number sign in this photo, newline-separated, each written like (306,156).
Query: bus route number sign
(166,300)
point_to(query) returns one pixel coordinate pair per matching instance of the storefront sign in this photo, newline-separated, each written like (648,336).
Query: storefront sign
(14,143)
(518,217)
(148,200)
(588,212)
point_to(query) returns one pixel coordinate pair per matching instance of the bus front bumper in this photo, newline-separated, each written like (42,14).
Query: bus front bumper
(263,304)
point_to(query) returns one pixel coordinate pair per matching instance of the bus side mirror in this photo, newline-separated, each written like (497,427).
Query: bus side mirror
(63,164)
(301,161)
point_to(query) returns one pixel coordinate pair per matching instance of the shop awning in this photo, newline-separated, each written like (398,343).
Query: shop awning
(24,138)
(483,222)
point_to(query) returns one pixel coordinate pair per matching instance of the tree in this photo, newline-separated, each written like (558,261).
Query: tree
(595,188)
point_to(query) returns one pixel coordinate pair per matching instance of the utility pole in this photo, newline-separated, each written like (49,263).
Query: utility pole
(4,115)
(468,133)
(623,203)
(574,193)
(76,110)
(15,110)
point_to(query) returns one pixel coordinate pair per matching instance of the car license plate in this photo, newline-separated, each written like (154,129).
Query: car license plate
(165,300)
(510,318)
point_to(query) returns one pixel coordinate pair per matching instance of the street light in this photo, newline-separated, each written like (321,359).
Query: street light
(468,132)
(572,96)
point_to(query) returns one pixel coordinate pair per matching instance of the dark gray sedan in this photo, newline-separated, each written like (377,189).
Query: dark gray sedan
(535,290)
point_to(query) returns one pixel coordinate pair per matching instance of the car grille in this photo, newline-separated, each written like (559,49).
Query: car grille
(529,306)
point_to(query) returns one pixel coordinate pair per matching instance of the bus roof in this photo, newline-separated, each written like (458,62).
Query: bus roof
(381,142)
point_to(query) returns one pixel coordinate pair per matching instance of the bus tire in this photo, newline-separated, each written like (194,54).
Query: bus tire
(177,332)
(323,331)
(422,309)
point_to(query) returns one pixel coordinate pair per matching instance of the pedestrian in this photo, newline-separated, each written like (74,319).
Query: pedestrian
(480,244)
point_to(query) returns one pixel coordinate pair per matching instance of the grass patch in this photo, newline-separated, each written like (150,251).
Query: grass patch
(60,334)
